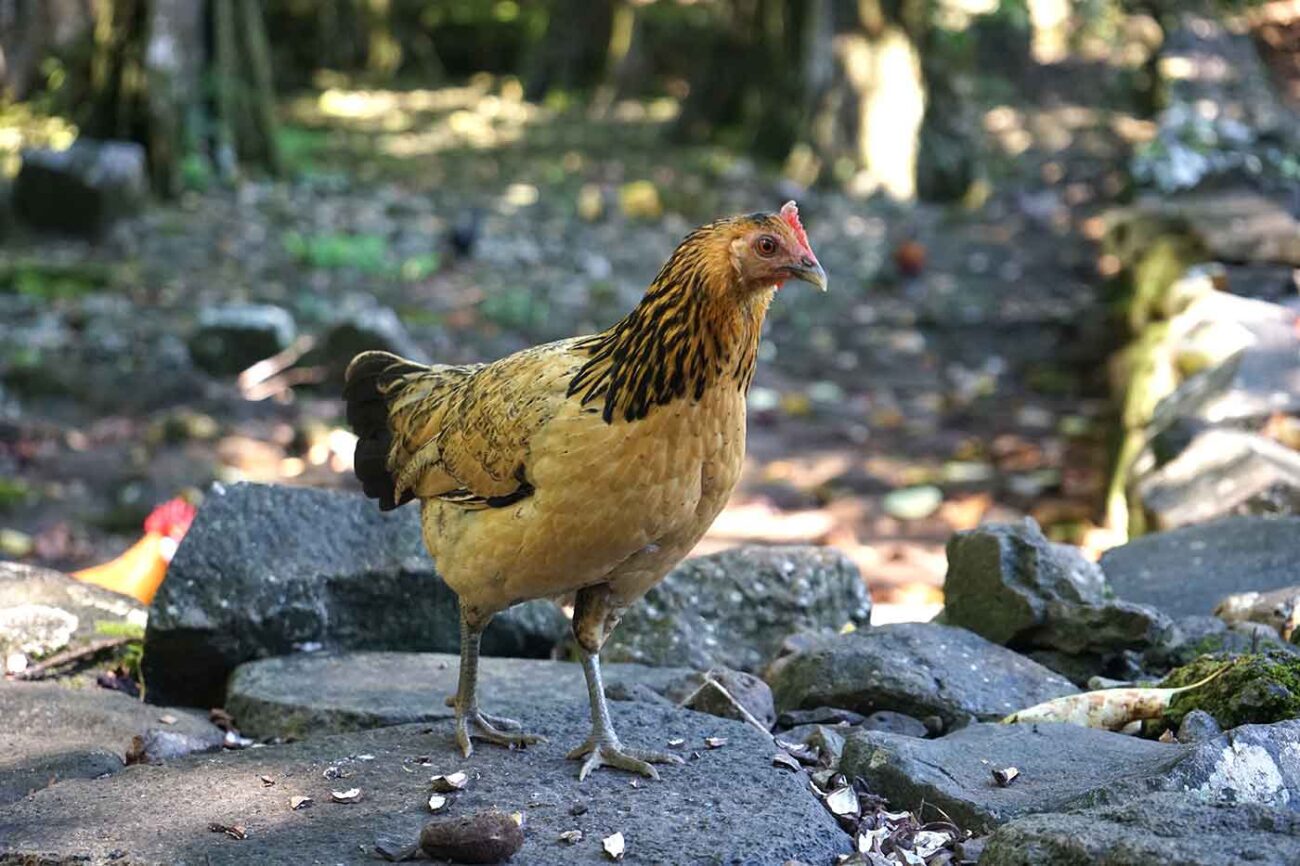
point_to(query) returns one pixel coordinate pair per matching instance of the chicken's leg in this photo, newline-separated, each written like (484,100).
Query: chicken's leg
(591,624)
(494,729)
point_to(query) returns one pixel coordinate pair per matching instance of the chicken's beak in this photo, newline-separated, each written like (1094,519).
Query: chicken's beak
(810,271)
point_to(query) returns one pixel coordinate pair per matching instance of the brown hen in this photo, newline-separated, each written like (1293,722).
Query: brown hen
(588,466)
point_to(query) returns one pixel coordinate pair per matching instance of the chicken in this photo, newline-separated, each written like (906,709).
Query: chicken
(588,466)
(141,569)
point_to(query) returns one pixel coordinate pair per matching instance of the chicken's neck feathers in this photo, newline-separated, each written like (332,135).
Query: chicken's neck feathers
(692,331)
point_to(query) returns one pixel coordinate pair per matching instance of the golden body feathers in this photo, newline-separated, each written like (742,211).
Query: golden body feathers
(592,460)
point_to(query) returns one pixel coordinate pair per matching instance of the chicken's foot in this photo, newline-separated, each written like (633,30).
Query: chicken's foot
(602,748)
(470,720)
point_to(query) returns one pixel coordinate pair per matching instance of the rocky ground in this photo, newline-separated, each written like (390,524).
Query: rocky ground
(297,657)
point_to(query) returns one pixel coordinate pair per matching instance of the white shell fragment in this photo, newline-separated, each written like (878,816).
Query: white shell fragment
(351,795)
(614,846)
(715,742)
(296,803)
(843,802)
(572,837)
(437,802)
(445,784)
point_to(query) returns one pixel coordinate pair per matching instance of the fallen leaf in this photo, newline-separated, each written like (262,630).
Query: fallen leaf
(351,795)
(234,831)
(715,742)
(573,837)
(445,784)
(614,846)
(296,803)
(1005,776)
(221,719)
(437,802)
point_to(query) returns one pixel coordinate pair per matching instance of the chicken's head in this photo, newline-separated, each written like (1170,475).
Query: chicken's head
(768,249)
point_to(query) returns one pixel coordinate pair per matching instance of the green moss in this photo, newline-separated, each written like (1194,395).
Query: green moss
(1257,689)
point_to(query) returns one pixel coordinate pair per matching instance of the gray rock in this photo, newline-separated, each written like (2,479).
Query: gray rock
(726,693)
(895,723)
(1222,472)
(363,330)
(1195,636)
(1003,577)
(1197,727)
(82,190)
(1059,764)
(721,807)
(919,669)
(268,570)
(819,716)
(325,693)
(734,609)
(230,339)
(1257,764)
(43,612)
(1186,571)
(50,733)
(1153,831)
(1100,628)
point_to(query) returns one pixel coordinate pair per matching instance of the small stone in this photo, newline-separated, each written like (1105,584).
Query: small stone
(484,837)
(913,503)
(1197,727)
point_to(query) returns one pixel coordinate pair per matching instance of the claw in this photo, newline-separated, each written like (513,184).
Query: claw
(599,754)
(493,729)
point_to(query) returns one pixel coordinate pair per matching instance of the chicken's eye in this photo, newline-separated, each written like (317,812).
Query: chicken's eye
(766,245)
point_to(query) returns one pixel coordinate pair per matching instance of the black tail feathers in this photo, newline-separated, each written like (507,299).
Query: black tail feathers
(364,388)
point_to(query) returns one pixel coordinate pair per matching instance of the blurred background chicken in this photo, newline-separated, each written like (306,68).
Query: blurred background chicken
(590,465)
(140,570)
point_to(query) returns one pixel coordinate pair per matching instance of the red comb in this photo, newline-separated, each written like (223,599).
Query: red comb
(172,518)
(790,213)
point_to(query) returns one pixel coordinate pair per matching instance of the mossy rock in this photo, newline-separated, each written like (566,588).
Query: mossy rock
(1257,689)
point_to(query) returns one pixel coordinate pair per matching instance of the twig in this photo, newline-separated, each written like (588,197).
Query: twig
(285,382)
(277,363)
(58,660)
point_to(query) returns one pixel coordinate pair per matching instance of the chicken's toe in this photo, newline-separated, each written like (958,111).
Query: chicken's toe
(603,754)
(478,725)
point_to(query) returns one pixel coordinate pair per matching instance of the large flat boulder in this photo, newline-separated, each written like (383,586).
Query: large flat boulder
(1152,831)
(733,609)
(43,612)
(298,695)
(726,805)
(268,570)
(1222,472)
(920,669)
(50,733)
(1185,572)
(1059,764)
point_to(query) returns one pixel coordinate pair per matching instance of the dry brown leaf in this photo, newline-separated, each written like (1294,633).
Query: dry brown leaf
(234,831)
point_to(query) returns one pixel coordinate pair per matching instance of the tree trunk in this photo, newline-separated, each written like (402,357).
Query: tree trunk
(193,105)
(572,52)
